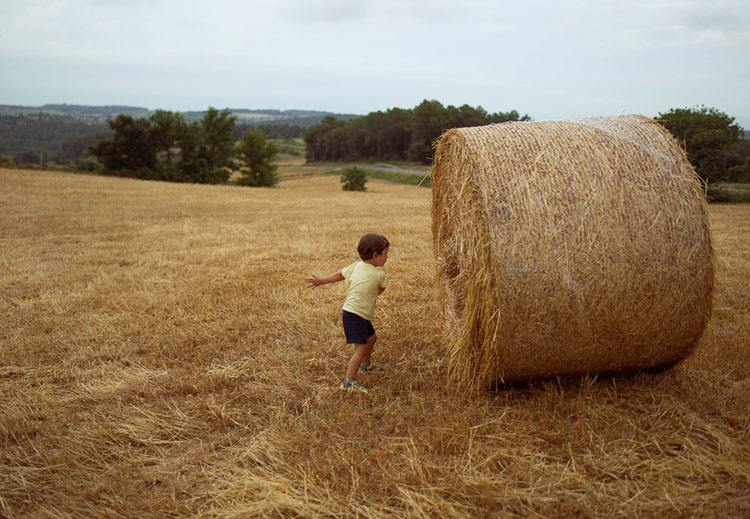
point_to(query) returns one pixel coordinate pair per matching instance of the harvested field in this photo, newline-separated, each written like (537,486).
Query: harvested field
(160,356)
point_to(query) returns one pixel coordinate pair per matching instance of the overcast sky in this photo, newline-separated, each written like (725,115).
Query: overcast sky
(547,58)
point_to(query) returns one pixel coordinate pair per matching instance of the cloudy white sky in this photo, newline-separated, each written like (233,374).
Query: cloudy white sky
(547,58)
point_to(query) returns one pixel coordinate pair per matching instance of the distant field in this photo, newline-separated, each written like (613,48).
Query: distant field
(160,356)
(729,193)
(734,186)
(291,151)
(292,164)
(254,116)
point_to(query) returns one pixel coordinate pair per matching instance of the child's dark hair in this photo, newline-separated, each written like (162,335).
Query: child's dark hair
(369,244)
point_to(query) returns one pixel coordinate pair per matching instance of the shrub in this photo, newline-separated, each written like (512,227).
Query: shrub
(354,179)
(739,174)
(87,164)
(257,154)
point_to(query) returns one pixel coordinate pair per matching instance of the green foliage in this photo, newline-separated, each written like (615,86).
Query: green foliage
(741,149)
(5,160)
(194,163)
(217,144)
(257,154)
(318,141)
(739,174)
(428,122)
(167,147)
(28,133)
(728,195)
(28,157)
(273,131)
(396,134)
(707,135)
(84,164)
(165,130)
(292,147)
(25,136)
(131,148)
(75,149)
(353,179)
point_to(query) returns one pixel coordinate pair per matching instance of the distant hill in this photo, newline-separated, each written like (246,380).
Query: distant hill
(304,118)
(100,114)
(80,112)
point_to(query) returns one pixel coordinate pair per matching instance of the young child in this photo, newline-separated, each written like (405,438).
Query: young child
(363,283)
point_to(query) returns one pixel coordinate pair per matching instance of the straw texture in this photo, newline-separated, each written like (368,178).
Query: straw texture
(569,247)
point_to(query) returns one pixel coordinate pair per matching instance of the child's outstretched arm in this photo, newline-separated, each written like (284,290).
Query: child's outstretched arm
(315,281)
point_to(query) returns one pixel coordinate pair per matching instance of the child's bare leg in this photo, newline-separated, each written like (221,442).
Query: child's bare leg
(359,352)
(368,350)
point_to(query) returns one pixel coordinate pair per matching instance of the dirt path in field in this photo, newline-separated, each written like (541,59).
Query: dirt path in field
(395,169)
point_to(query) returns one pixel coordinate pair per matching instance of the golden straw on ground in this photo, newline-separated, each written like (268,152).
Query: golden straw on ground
(569,247)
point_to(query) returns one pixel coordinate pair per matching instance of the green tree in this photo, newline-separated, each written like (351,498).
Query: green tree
(204,149)
(429,119)
(131,148)
(390,134)
(166,147)
(739,173)
(465,116)
(257,155)
(76,148)
(395,134)
(707,135)
(192,165)
(27,157)
(5,160)
(742,148)
(354,179)
(218,144)
(505,117)
(37,132)
(318,147)
(165,130)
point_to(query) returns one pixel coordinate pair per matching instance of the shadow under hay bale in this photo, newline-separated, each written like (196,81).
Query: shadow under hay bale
(569,247)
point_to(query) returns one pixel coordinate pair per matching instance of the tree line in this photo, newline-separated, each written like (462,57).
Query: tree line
(169,146)
(400,134)
(710,137)
(272,130)
(60,135)
(36,138)
(166,147)
(712,142)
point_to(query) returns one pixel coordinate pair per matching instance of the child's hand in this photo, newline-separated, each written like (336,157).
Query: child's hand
(313,282)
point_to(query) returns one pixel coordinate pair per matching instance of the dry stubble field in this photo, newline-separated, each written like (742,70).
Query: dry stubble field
(161,357)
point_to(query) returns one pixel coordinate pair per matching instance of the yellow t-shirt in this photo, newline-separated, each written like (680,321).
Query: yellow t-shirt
(361,282)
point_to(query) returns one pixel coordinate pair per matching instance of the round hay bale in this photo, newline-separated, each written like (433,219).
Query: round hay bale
(569,247)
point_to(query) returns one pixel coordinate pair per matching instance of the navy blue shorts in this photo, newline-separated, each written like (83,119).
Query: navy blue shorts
(357,329)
